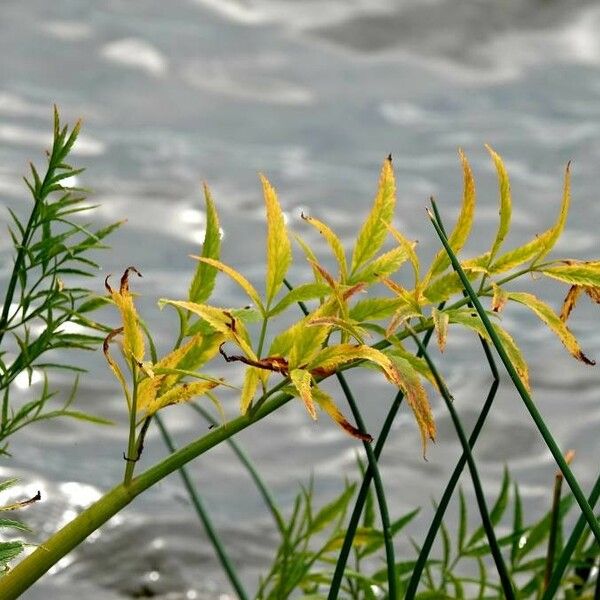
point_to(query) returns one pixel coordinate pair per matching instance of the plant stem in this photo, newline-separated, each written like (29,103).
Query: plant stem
(379,490)
(550,554)
(372,460)
(30,569)
(203,516)
(364,490)
(450,487)
(531,407)
(256,478)
(132,456)
(479,495)
(563,561)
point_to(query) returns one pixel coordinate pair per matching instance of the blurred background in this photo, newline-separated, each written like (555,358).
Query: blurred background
(314,94)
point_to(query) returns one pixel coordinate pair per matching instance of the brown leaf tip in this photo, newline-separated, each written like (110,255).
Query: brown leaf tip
(124,287)
(583,358)
(389,157)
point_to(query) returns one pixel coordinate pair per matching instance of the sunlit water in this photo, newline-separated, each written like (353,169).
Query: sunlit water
(314,94)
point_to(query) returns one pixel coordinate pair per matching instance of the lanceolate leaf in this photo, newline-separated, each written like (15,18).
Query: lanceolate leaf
(302,381)
(237,277)
(248,389)
(461,231)
(183,392)
(221,320)
(374,309)
(373,231)
(537,249)
(548,316)
(302,293)
(505,202)
(382,266)
(440,323)
(417,399)
(409,247)
(325,401)
(334,243)
(587,274)
(279,249)
(203,282)
(570,301)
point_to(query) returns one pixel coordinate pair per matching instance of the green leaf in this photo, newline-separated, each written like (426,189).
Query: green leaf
(11,523)
(505,202)
(550,318)
(462,229)
(204,278)
(333,510)
(374,230)
(10,550)
(375,309)
(497,510)
(279,249)
(302,293)
(462,520)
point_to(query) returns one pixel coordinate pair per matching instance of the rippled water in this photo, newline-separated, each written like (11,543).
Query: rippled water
(314,94)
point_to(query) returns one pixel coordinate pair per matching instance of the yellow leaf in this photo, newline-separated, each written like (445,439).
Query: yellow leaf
(348,325)
(301,293)
(409,248)
(302,380)
(279,249)
(133,337)
(537,249)
(548,316)
(373,231)
(570,301)
(382,266)
(334,243)
(404,313)
(505,202)
(374,309)
(251,379)
(580,273)
(327,403)
(179,394)
(237,277)
(445,286)
(440,323)
(499,298)
(416,396)
(310,256)
(418,364)
(113,364)
(461,231)
(222,320)
(331,358)
(514,354)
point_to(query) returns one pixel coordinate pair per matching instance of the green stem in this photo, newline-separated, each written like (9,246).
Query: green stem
(372,460)
(203,516)
(529,404)
(555,516)
(563,561)
(478,488)
(132,456)
(451,486)
(30,569)
(379,490)
(256,478)
(261,339)
(361,498)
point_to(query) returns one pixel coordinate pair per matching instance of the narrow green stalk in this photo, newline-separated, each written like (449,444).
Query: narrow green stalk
(261,339)
(256,478)
(563,561)
(372,460)
(451,486)
(478,488)
(531,407)
(30,569)
(132,456)
(552,537)
(203,516)
(361,498)
(379,490)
